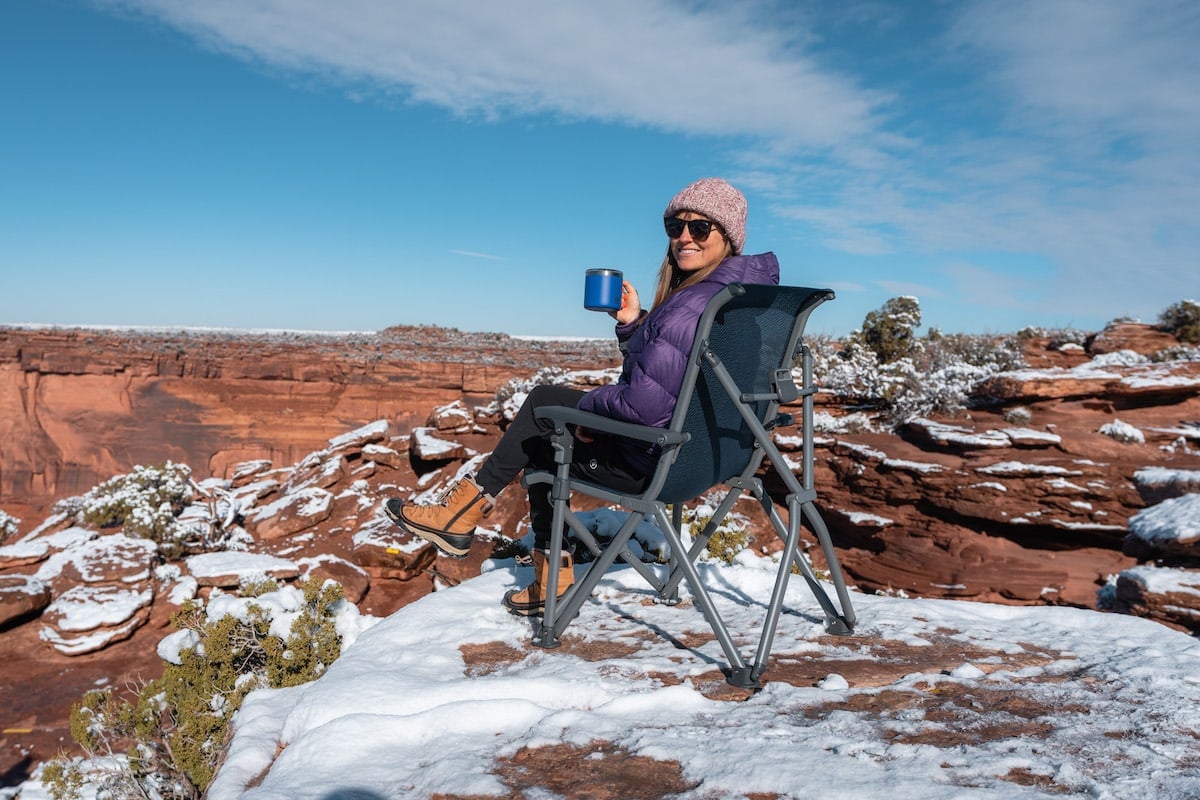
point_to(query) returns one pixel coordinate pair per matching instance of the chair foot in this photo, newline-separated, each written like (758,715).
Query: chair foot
(545,640)
(743,678)
(836,626)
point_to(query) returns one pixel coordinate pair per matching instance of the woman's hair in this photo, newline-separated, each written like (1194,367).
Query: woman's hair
(671,278)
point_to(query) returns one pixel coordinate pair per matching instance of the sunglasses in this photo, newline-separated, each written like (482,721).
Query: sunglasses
(698,228)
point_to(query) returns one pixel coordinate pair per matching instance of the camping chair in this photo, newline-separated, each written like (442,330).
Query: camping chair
(739,372)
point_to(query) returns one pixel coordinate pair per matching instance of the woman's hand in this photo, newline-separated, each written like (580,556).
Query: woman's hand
(584,435)
(631,306)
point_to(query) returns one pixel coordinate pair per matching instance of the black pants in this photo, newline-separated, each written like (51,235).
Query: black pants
(526,445)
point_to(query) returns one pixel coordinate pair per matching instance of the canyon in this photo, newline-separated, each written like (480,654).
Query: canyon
(1025,498)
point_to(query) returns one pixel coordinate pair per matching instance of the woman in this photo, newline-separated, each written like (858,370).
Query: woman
(706,228)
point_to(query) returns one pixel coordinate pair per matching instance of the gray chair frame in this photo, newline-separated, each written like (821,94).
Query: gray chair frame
(740,370)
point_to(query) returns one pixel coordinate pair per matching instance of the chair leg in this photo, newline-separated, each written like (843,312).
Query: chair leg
(739,674)
(841,624)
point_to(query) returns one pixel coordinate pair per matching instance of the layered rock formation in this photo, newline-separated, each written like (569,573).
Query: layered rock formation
(77,406)
(1042,494)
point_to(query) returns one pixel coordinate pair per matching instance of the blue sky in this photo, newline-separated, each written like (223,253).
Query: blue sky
(354,165)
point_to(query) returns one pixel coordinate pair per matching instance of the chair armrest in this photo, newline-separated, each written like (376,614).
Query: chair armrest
(597,422)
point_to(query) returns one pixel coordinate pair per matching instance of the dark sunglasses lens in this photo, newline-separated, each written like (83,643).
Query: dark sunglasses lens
(698,228)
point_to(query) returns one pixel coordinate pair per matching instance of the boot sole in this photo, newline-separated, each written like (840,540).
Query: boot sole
(523,610)
(434,537)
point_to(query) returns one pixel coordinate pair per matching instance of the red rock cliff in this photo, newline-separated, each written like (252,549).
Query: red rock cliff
(78,406)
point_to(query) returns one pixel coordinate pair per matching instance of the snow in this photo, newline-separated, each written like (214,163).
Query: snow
(85,607)
(1131,371)
(912,466)
(1123,432)
(429,445)
(1105,705)
(402,714)
(943,433)
(405,713)
(1021,469)
(1031,436)
(1164,580)
(1176,520)
(308,502)
(374,430)
(1187,480)
(218,564)
(37,548)
(862,518)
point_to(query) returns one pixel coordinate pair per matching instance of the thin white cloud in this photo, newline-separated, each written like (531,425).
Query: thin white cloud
(680,67)
(1076,144)
(1078,154)
(1128,67)
(473,254)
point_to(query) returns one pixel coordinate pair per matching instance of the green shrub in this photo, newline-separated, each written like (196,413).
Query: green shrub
(890,332)
(174,730)
(730,537)
(1183,320)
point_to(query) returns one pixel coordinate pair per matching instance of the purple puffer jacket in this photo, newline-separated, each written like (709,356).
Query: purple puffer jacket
(657,350)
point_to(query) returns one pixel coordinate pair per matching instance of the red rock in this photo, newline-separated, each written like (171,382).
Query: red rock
(76,405)
(452,417)
(293,513)
(21,597)
(355,581)
(1168,595)
(429,447)
(1135,336)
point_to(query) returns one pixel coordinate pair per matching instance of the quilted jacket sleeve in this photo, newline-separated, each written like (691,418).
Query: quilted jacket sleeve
(654,368)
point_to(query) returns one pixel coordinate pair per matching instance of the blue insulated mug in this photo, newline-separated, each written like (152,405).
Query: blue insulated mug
(602,290)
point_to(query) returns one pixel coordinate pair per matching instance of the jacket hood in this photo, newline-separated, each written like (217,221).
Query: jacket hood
(761,268)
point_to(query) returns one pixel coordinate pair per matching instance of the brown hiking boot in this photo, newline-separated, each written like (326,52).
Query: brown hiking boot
(532,599)
(450,524)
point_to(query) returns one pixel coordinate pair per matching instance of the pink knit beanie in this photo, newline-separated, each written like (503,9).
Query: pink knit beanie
(717,200)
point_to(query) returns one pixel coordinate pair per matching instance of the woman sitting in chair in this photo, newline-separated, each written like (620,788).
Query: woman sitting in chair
(706,228)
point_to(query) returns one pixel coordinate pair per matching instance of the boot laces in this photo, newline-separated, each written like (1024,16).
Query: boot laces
(452,493)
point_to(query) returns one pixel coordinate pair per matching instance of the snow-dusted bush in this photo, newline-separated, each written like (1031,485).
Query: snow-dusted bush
(938,374)
(1180,352)
(167,741)
(854,372)
(857,422)
(945,390)
(512,394)
(145,503)
(1120,358)
(1183,321)
(8,526)
(1122,432)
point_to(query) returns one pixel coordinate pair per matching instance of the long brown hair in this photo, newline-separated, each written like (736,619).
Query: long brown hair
(671,278)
